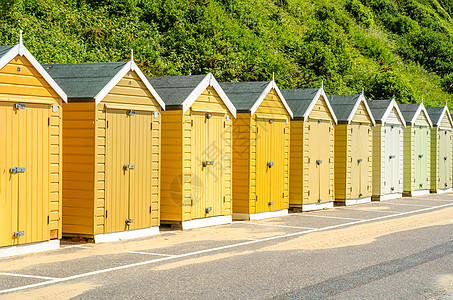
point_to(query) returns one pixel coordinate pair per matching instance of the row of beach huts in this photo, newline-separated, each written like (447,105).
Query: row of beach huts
(98,150)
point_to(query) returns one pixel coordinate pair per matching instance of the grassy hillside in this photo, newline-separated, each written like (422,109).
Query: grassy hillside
(389,47)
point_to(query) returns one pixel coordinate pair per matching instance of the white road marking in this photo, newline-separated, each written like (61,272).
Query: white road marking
(276,225)
(149,253)
(434,199)
(76,246)
(371,210)
(331,217)
(28,276)
(403,204)
(143,263)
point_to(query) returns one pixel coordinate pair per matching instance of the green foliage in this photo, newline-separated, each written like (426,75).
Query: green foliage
(402,48)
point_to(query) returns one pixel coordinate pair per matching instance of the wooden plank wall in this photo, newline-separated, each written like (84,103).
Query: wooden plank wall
(342,167)
(242,162)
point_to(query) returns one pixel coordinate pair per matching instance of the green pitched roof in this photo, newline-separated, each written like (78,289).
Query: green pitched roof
(343,105)
(84,80)
(243,94)
(408,111)
(175,89)
(299,100)
(378,108)
(5,49)
(435,113)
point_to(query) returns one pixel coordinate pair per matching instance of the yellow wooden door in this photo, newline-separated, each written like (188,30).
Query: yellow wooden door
(314,172)
(263,172)
(277,171)
(117,170)
(359,160)
(324,166)
(140,190)
(199,188)
(9,184)
(24,167)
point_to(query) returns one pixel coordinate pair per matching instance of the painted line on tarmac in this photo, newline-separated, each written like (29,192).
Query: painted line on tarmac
(150,253)
(403,204)
(28,276)
(434,199)
(76,246)
(275,225)
(332,217)
(143,263)
(371,210)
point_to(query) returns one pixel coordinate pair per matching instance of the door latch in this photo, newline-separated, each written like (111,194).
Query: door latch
(17,170)
(420,155)
(318,161)
(129,221)
(131,113)
(125,167)
(18,234)
(208,209)
(392,156)
(359,160)
(270,203)
(208,162)
(19,106)
(445,157)
(270,164)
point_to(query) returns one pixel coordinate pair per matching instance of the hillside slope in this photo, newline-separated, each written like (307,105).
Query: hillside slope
(389,47)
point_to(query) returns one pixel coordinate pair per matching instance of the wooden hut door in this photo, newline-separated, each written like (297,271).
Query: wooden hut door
(421,140)
(140,181)
(359,163)
(215,179)
(389,158)
(396,165)
(263,172)
(277,171)
(24,173)
(444,158)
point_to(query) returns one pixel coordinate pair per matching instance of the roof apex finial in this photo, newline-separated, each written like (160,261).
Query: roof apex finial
(363,90)
(132,54)
(322,84)
(20,37)
(273,77)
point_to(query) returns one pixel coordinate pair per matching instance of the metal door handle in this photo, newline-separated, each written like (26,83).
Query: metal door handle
(17,170)
(208,162)
(18,234)
(129,221)
(208,209)
(445,157)
(359,160)
(270,164)
(392,156)
(125,167)
(318,161)
(420,155)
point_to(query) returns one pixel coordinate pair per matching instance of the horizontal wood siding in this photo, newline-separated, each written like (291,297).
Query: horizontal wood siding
(393,118)
(408,159)
(434,155)
(361,115)
(78,168)
(172,162)
(297,166)
(377,160)
(342,149)
(242,199)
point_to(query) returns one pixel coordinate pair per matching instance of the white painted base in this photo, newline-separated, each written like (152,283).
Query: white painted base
(29,248)
(125,235)
(206,222)
(261,215)
(441,191)
(348,202)
(389,197)
(416,193)
(316,206)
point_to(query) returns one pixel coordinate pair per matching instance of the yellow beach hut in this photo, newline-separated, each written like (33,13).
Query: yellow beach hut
(416,154)
(441,149)
(261,133)
(311,183)
(111,148)
(196,151)
(387,150)
(353,149)
(30,159)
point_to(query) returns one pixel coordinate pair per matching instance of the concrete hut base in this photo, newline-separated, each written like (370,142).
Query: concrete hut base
(387,197)
(261,215)
(29,248)
(441,191)
(348,202)
(125,235)
(416,193)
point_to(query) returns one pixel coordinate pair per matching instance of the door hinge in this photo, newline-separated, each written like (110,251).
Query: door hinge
(224,198)
(256,198)
(283,195)
(48,219)
(107,124)
(48,121)
(150,209)
(106,213)
(309,160)
(191,202)
(151,127)
(308,193)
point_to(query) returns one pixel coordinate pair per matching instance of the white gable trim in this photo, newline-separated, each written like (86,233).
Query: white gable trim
(313,102)
(20,49)
(269,87)
(356,106)
(392,105)
(209,80)
(129,66)
(421,108)
(442,115)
